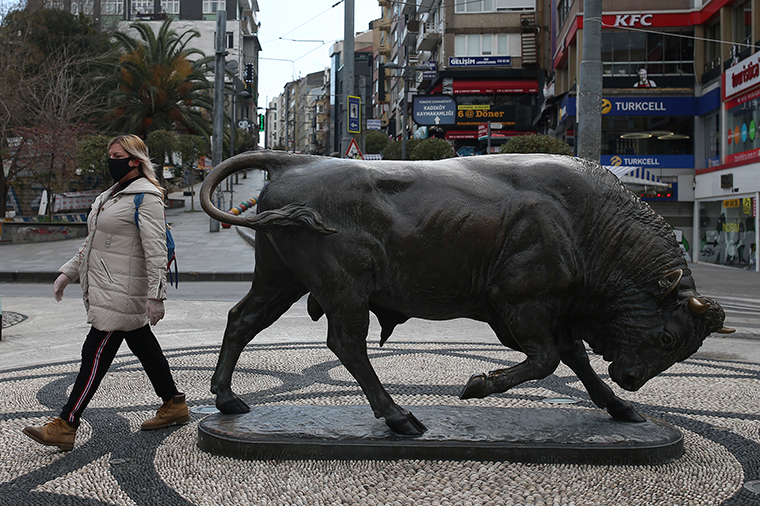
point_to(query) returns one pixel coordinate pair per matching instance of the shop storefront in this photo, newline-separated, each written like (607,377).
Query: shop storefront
(728,189)
(506,98)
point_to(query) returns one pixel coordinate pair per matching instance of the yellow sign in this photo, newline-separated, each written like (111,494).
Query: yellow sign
(616,161)
(731,203)
(606,106)
(747,206)
(465,107)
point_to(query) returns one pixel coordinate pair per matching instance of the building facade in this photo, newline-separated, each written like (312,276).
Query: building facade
(666,112)
(472,62)
(242,43)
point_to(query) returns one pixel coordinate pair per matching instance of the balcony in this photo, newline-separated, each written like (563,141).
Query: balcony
(424,5)
(383,24)
(384,49)
(430,37)
(384,3)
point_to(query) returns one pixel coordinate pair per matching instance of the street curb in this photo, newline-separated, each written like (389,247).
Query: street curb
(49,277)
(247,235)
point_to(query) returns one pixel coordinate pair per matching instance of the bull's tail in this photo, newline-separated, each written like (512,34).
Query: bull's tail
(274,162)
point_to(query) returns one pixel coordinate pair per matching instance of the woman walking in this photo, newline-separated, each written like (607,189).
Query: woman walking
(122,271)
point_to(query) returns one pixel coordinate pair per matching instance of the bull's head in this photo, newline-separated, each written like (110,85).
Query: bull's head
(681,323)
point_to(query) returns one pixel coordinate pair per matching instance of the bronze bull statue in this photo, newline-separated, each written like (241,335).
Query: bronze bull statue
(549,251)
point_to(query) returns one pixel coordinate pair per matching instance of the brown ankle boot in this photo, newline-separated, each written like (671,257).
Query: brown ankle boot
(171,412)
(58,433)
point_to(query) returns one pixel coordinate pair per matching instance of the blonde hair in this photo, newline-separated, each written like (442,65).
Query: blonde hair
(136,148)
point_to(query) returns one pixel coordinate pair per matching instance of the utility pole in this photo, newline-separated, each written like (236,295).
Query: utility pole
(590,84)
(218,127)
(348,71)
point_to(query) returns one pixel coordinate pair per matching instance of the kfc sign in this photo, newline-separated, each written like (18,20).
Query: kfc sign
(742,76)
(630,20)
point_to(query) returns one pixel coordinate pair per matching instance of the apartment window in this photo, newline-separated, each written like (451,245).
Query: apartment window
(563,9)
(142,6)
(211,6)
(669,53)
(712,46)
(470,6)
(170,6)
(112,7)
(742,22)
(487,44)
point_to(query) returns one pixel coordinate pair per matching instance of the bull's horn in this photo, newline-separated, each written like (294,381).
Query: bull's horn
(697,306)
(726,330)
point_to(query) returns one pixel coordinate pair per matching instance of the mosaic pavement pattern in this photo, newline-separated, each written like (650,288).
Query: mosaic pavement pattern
(10,319)
(714,403)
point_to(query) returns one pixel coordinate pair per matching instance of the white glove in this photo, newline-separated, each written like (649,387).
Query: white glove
(59,285)
(154,308)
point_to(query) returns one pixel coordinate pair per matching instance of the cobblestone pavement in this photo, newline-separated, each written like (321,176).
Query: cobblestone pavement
(713,402)
(712,398)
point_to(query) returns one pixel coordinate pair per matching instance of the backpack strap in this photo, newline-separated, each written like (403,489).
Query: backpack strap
(169,243)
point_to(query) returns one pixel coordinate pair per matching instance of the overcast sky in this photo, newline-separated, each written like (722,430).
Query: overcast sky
(316,23)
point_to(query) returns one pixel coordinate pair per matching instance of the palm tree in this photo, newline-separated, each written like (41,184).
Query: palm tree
(159,87)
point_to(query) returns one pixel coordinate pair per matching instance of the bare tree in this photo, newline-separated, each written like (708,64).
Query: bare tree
(47,98)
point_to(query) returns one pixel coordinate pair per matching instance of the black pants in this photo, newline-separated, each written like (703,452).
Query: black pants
(98,352)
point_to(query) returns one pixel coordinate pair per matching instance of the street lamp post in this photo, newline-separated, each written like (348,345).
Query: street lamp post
(405,112)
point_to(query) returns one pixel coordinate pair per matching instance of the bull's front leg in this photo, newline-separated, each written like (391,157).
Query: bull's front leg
(347,334)
(575,356)
(532,336)
(536,366)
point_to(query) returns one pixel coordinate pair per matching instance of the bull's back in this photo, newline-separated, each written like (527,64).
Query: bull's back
(449,230)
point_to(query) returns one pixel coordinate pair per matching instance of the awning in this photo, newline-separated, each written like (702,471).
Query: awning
(489,86)
(473,134)
(461,134)
(638,179)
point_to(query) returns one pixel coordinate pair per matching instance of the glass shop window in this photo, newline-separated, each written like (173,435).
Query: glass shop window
(624,53)
(648,135)
(727,232)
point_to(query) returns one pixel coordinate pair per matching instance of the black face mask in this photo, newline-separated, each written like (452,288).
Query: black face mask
(119,167)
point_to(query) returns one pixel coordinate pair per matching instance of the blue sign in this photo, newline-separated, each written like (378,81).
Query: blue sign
(637,106)
(466,151)
(373,124)
(480,61)
(354,115)
(650,161)
(434,110)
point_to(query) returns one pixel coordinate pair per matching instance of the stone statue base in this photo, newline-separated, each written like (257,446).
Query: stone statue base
(538,435)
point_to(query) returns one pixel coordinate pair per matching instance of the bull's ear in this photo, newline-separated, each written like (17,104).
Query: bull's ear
(668,285)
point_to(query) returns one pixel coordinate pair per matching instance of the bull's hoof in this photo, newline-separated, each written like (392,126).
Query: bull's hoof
(476,387)
(234,406)
(407,425)
(625,413)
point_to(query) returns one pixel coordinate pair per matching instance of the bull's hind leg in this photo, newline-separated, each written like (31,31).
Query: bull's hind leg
(576,358)
(532,336)
(259,309)
(347,338)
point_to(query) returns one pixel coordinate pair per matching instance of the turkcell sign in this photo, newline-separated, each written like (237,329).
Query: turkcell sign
(650,161)
(654,106)
(480,61)
(434,110)
(637,106)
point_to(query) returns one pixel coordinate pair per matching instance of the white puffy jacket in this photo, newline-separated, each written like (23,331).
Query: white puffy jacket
(119,266)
